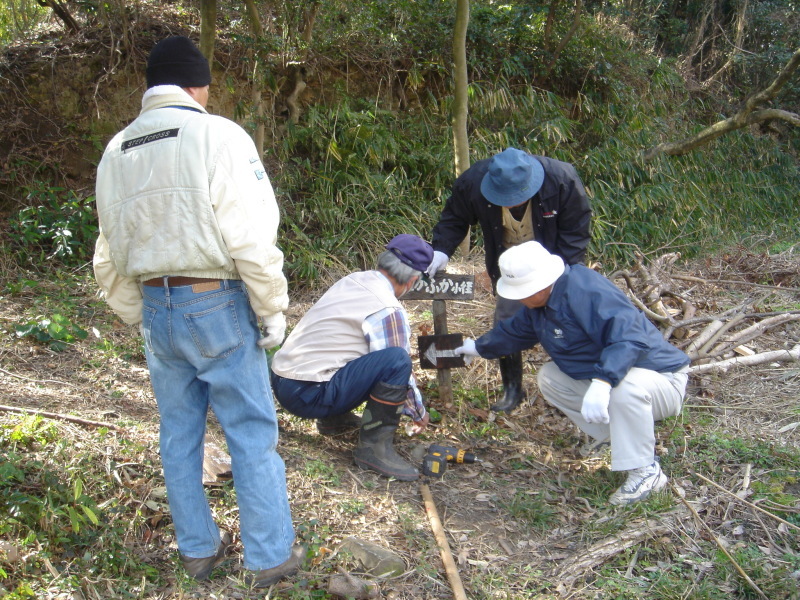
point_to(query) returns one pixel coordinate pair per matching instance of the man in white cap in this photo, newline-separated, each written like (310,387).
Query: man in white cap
(612,373)
(516,197)
(188,251)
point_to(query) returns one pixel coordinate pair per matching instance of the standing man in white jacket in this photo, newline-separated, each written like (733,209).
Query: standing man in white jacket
(187,249)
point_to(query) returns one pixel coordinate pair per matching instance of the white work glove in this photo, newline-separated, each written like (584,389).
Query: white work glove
(438,263)
(595,402)
(273,330)
(467,350)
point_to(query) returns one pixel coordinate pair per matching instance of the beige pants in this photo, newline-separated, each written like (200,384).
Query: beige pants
(639,400)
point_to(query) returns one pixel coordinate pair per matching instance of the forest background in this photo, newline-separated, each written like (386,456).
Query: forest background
(354,107)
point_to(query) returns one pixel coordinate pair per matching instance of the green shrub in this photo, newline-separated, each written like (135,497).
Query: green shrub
(55,224)
(57,331)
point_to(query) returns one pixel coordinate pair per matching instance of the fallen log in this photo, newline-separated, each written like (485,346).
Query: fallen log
(753,331)
(577,567)
(746,361)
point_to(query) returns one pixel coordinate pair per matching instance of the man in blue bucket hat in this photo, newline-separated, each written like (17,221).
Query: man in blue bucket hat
(516,197)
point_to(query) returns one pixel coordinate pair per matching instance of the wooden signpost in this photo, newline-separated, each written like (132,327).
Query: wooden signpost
(436,350)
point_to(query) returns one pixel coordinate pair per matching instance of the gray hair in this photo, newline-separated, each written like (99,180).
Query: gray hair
(396,268)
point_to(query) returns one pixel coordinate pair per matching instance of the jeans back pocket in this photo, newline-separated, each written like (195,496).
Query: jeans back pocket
(215,331)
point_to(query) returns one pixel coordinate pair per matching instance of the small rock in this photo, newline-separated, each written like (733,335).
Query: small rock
(9,550)
(347,586)
(376,560)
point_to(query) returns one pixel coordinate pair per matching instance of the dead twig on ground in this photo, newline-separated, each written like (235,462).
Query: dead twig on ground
(734,282)
(10,374)
(745,502)
(49,415)
(727,554)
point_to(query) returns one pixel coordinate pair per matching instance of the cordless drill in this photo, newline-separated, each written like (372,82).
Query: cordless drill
(435,462)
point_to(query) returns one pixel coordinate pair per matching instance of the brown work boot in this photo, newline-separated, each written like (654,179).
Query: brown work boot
(267,577)
(200,568)
(338,424)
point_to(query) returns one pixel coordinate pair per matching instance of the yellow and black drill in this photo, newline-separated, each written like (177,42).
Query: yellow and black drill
(435,462)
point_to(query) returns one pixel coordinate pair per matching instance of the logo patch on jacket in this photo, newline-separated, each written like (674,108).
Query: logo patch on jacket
(260,172)
(150,137)
(551,214)
(558,333)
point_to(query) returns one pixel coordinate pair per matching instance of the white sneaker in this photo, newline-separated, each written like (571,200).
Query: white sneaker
(640,484)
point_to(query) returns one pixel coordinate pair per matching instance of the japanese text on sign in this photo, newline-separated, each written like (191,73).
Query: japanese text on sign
(443,287)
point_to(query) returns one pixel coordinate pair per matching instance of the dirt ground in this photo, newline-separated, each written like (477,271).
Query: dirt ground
(529,455)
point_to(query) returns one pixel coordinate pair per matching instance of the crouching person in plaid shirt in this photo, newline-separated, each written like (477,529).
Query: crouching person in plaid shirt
(353,346)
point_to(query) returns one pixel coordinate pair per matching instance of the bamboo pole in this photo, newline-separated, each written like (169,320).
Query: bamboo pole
(444,548)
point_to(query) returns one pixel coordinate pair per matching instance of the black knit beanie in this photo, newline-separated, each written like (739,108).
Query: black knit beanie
(177,61)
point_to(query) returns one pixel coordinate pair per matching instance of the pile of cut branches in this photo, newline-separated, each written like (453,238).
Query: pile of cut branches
(718,338)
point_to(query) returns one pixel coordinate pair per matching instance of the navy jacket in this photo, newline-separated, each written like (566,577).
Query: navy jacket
(561,215)
(589,328)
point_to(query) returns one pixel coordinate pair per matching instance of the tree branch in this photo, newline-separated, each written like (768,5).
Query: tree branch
(746,116)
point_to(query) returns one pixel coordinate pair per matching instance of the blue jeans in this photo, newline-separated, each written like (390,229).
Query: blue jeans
(201,350)
(348,388)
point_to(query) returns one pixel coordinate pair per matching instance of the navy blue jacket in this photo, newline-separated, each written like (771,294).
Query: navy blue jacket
(589,328)
(560,209)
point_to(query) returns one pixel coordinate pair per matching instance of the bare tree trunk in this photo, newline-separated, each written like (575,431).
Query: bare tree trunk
(737,45)
(576,21)
(62,12)
(257,100)
(300,70)
(697,43)
(460,97)
(255,20)
(208,29)
(548,25)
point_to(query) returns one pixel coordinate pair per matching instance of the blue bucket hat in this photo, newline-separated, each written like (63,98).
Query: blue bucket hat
(513,177)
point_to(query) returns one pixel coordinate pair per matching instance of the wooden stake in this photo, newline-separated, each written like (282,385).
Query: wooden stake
(444,548)
(443,375)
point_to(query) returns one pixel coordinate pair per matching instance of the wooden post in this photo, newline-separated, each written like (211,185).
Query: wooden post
(444,286)
(440,328)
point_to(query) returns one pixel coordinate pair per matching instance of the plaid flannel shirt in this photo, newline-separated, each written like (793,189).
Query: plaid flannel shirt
(389,328)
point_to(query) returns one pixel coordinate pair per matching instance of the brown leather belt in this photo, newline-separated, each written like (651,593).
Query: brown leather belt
(177,281)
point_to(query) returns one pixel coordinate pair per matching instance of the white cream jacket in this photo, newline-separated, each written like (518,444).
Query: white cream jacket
(183,192)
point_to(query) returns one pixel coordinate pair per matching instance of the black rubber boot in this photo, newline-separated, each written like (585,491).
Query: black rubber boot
(511,373)
(379,421)
(338,424)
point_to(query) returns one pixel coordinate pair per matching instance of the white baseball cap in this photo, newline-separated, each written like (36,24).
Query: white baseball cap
(527,269)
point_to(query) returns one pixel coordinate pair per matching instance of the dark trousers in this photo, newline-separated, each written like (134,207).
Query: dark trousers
(347,389)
